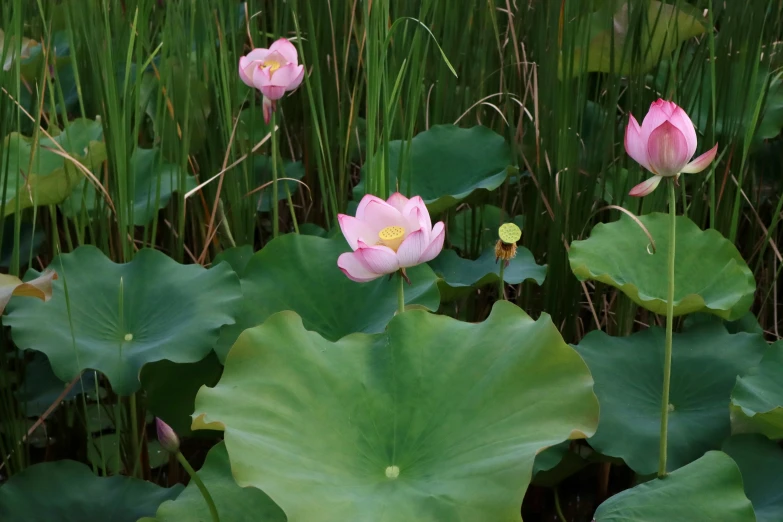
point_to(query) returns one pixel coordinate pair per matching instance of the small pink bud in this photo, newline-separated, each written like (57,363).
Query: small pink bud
(166,436)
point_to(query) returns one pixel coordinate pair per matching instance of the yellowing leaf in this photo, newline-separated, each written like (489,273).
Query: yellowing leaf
(40,287)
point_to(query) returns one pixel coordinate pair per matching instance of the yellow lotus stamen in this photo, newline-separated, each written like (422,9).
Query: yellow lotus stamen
(273,65)
(392,237)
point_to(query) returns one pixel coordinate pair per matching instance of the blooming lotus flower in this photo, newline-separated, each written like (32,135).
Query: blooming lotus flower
(387,236)
(664,144)
(272,71)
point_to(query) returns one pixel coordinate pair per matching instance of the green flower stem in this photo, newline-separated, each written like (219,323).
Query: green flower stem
(275,210)
(501,283)
(667,361)
(201,487)
(559,510)
(134,436)
(401,294)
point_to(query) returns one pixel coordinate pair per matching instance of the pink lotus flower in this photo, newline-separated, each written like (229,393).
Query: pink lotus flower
(664,144)
(387,236)
(166,436)
(272,71)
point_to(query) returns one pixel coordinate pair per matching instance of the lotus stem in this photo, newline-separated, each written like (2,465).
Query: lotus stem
(275,210)
(667,355)
(559,510)
(134,421)
(401,294)
(501,283)
(201,487)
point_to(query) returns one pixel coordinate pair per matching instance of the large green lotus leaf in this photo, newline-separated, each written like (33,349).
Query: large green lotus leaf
(50,178)
(446,164)
(67,491)
(757,399)
(607,30)
(154,183)
(433,420)
(171,388)
(710,274)
(460,276)
(761,463)
(299,273)
(233,503)
(474,229)
(628,373)
(118,317)
(709,489)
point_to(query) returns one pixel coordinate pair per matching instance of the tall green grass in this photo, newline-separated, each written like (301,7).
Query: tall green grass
(164,74)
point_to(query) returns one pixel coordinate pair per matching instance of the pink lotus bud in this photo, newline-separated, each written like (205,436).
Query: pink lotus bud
(664,144)
(166,436)
(272,71)
(388,235)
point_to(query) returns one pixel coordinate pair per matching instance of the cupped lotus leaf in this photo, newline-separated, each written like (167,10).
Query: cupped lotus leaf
(68,491)
(300,273)
(757,398)
(31,238)
(709,489)
(446,164)
(709,275)
(154,183)
(474,229)
(104,453)
(40,287)
(233,503)
(186,97)
(171,389)
(434,419)
(116,318)
(761,463)
(628,373)
(606,31)
(41,387)
(37,175)
(237,257)
(460,276)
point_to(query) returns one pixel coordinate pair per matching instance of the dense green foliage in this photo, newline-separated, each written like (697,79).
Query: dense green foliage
(180,258)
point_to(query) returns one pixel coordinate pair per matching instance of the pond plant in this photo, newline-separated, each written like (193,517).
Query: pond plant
(392,261)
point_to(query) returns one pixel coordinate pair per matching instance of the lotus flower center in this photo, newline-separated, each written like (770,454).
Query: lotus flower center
(272,64)
(392,472)
(392,237)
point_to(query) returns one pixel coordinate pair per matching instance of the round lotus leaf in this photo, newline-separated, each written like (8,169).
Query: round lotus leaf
(432,420)
(67,491)
(757,398)
(709,275)
(461,276)
(628,373)
(115,318)
(233,503)
(300,273)
(445,165)
(709,489)
(761,463)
